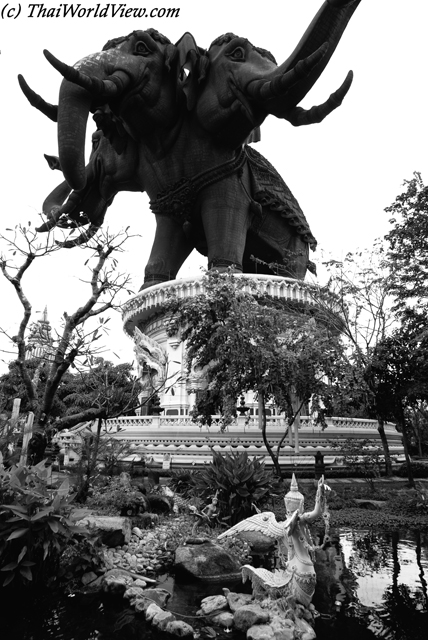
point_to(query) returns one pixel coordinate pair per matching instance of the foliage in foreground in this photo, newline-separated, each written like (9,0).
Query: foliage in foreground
(33,528)
(240,483)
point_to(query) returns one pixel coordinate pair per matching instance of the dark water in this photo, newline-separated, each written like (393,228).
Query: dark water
(370,585)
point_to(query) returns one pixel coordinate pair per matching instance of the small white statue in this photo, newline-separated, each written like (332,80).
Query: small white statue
(296,574)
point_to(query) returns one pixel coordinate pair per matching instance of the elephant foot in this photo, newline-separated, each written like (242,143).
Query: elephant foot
(222,266)
(154,278)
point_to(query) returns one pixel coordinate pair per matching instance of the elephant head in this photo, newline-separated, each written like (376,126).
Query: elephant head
(133,75)
(107,172)
(244,84)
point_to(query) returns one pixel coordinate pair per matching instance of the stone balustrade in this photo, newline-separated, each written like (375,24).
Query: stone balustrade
(142,307)
(189,444)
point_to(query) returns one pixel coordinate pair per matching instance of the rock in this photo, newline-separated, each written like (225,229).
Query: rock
(112,530)
(224,620)
(180,629)
(260,632)
(162,619)
(283,629)
(207,561)
(116,581)
(152,610)
(141,605)
(159,596)
(88,577)
(237,600)
(137,532)
(259,543)
(212,603)
(305,629)
(249,615)
(133,593)
(140,583)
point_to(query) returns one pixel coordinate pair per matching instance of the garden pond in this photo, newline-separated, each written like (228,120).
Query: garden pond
(370,585)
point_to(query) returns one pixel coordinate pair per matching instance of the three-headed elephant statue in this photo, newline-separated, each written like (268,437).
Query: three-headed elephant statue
(177,122)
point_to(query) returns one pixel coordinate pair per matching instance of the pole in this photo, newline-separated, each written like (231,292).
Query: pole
(28,432)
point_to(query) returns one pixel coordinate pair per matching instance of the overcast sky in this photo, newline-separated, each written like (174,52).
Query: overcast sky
(344,171)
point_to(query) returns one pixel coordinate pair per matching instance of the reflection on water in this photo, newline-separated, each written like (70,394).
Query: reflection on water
(377,581)
(370,585)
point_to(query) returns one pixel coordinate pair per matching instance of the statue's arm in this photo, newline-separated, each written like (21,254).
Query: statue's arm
(310,516)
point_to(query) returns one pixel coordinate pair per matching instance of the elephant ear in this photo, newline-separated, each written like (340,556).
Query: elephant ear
(193,60)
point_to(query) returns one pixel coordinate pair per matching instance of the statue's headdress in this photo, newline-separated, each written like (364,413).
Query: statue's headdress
(294,499)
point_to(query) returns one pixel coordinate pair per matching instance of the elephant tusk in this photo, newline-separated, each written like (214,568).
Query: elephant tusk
(299,116)
(52,221)
(49,110)
(84,237)
(280,83)
(111,87)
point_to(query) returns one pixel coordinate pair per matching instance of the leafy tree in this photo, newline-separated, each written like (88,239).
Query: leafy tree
(246,342)
(408,245)
(103,391)
(360,286)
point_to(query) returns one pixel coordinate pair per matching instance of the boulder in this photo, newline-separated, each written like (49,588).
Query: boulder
(283,629)
(159,596)
(211,604)
(249,615)
(259,543)
(116,582)
(180,629)
(162,619)
(260,632)
(237,600)
(113,531)
(133,593)
(152,611)
(207,561)
(224,619)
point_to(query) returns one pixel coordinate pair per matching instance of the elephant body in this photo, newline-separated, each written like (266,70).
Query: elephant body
(175,121)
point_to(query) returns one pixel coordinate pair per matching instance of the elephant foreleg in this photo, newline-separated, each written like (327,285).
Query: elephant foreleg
(170,249)
(225,212)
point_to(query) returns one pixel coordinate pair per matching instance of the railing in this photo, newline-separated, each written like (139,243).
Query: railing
(140,307)
(241,424)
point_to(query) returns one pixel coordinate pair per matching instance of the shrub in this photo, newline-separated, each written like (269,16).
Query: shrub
(419,470)
(118,497)
(240,483)
(33,528)
(183,482)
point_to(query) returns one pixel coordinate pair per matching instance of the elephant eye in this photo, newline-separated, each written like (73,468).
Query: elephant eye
(237,54)
(142,49)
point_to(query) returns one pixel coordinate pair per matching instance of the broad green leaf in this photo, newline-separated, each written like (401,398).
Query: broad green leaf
(9,567)
(8,580)
(17,534)
(26,572)
(22,554)
(53,525)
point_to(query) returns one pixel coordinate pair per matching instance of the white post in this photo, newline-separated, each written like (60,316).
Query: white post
(28,432)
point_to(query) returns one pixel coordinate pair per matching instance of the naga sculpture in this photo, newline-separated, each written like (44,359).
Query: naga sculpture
(175,121)
(296,574)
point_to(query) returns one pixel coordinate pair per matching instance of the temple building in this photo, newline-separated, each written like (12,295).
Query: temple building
(40,341)
(166,427)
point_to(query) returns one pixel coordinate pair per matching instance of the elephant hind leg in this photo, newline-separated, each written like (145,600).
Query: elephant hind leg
(170,249)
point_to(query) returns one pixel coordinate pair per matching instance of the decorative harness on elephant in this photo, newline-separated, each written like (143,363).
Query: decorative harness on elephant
(178,201)
(269,190)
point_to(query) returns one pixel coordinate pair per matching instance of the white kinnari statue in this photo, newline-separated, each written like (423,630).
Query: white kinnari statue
(296,575)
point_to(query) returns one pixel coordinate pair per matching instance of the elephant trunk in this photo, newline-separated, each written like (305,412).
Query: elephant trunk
(283,89)
(73,110)
(328,27)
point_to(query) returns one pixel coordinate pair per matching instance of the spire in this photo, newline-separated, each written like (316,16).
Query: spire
(294,499)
